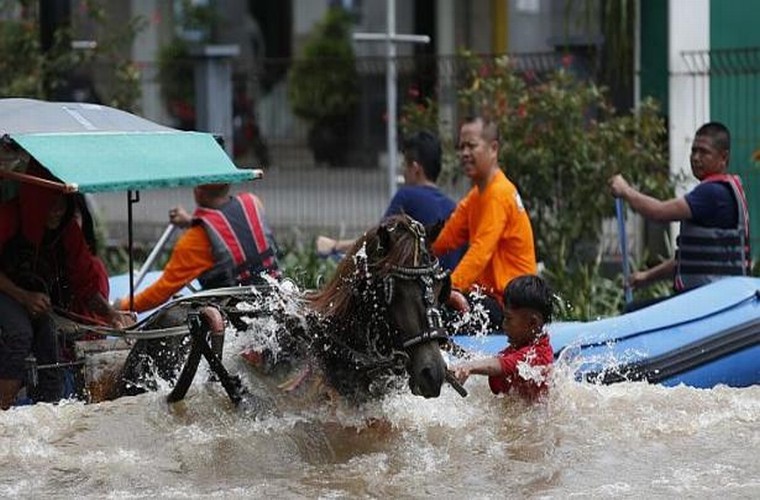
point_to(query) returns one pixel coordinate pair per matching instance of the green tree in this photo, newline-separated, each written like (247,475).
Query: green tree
(323,85)
(560,141)
(25,71)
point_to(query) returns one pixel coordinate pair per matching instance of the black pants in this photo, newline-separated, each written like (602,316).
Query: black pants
(20,336)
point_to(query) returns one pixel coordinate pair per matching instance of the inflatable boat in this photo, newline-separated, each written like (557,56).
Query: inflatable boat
(702,338)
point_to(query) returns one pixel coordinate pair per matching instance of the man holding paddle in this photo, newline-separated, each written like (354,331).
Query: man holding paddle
(714,237)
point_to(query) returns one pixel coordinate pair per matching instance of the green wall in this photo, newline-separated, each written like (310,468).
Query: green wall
(735,91)
(653,75)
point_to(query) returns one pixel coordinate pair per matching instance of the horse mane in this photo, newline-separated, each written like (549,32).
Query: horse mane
(367,258)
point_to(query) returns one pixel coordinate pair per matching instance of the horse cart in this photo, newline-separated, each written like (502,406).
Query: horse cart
(376,320)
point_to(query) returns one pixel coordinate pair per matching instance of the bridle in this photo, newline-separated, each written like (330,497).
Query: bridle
(426,273)
(427,276)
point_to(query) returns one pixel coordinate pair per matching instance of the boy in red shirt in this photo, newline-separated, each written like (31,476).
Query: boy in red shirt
(523,367)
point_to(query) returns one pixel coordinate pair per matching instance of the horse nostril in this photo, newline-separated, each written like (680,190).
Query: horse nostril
(429,383)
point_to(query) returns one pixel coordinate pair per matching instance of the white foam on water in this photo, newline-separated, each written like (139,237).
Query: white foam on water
(582,440)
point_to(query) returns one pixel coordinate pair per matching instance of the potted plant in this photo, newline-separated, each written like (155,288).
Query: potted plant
(323,87)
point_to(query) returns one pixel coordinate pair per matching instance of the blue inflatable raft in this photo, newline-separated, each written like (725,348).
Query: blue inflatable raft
(702,338)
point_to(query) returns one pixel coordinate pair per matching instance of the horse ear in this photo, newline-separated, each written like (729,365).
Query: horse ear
(383,239)
(433,230)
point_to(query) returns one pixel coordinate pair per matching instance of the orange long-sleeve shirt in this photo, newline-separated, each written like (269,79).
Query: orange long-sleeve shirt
(190,258)
(497,228)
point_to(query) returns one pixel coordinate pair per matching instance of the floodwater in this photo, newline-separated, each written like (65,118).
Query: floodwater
(628,440)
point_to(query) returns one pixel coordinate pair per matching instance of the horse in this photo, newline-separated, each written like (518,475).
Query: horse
(376,319)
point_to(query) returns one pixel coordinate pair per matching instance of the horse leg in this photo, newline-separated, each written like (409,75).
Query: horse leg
(160,357)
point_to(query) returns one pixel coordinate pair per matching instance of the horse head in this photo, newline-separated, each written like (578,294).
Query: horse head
(384,304)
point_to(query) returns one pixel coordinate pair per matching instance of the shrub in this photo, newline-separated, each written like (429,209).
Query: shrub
(323,87)
(323,83)
(560,141)
(25,71)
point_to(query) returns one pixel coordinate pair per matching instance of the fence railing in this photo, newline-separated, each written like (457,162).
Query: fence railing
(731,78)
(303,198)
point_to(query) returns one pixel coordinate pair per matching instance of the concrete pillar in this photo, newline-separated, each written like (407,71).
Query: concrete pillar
(689,93)
(213,90)
(445,49)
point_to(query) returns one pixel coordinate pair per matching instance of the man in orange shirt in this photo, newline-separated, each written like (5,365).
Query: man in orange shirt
(227,244)
(491,219)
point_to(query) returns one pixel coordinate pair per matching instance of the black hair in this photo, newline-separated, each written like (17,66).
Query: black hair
(424,148)
(532,292)
(215,190)
(490,131)
(88,223)
(718,134)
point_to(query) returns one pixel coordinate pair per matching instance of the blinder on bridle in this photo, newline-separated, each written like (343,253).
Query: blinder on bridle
(426,272)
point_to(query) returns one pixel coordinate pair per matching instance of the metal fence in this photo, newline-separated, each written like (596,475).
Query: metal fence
(731,78)
(303,198)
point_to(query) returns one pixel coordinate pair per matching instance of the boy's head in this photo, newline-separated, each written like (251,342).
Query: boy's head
(529,304)
(423,148)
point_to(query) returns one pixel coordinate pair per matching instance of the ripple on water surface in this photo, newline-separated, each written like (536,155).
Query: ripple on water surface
(591,441)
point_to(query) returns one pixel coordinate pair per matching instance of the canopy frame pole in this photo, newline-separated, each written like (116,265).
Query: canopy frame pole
(132,198)
(31,179)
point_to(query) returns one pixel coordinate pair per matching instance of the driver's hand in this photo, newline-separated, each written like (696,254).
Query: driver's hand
(37,303)
(122,319)
(179,217)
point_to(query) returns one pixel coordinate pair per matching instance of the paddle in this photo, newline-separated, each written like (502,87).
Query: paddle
(620,211)
(154,254)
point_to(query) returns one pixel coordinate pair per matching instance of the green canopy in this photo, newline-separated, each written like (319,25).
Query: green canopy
(117,161)
(94,148)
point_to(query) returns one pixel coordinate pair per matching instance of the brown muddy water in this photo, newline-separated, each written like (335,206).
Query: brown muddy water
(629,440)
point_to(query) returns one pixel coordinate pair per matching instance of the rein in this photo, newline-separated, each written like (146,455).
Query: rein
(370,362)
(380,282)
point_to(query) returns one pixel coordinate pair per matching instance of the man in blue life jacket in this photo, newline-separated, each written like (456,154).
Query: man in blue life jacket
(714,237)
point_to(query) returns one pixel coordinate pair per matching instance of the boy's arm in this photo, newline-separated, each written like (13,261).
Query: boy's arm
(485,366)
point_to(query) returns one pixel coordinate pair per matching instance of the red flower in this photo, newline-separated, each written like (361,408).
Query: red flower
(567,60)
(522,112)
(183,110)
(501,104)
(484,71)
(413,92)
